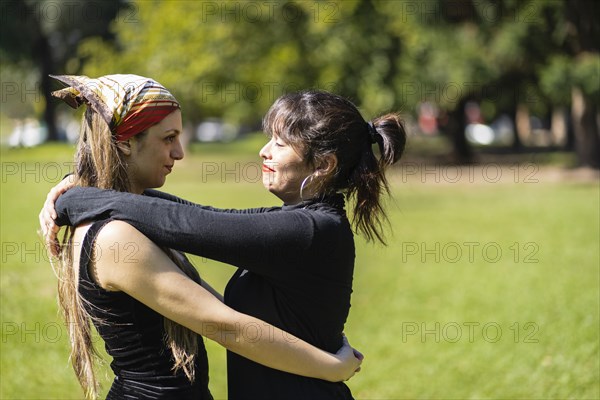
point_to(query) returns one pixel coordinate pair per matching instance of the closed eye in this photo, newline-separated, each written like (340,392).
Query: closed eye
(277,141)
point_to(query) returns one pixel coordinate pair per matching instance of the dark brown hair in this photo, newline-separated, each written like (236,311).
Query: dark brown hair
(317,124)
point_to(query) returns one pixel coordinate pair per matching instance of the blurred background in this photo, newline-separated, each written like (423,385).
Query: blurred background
(509,74)
(489,287)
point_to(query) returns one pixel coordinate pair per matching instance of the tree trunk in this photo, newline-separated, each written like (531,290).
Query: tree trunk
(523,125)
(46,68)
(42,54)
(516,143)
(558,126)
(585,127)
(461,150)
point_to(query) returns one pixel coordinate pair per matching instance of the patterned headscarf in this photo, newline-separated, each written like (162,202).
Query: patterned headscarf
(129,104)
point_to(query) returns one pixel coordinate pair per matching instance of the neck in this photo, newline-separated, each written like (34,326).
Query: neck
(297,200)
(134,183)
(293,199)
(136,190)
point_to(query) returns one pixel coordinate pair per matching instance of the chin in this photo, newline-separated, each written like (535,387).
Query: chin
(158,184)
(267,185)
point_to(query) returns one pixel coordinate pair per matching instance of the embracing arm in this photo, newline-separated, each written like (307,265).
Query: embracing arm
(152,278)
(182,258)
(168,196)
(256,240)
(49,229)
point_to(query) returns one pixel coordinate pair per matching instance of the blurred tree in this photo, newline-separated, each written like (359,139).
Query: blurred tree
(224,59)
(504,54)
(233,59)
(572,72)
(43,36)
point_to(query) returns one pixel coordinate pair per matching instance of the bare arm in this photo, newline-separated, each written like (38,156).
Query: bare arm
(152,278)
(203,282)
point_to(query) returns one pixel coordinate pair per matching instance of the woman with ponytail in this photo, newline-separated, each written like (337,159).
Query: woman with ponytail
(112,276)
(295,262)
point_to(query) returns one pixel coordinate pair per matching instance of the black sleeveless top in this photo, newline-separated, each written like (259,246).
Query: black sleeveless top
(134,337)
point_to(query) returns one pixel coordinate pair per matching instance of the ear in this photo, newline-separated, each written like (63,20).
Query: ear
(327,166)
(124,147)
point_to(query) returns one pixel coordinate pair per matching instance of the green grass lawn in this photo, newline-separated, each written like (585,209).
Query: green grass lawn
(485,290)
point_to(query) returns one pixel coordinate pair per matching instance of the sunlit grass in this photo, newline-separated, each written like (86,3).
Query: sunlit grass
(432,322)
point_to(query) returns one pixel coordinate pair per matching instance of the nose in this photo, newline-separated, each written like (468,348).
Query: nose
(265,151)
(177,150)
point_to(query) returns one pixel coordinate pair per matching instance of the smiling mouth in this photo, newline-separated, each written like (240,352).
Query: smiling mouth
(265,168)
(169,168)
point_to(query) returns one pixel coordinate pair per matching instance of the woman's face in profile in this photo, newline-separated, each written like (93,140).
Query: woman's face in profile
(283,170)
(153,156)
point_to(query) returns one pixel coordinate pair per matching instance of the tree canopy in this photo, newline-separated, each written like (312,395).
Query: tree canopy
(233,59)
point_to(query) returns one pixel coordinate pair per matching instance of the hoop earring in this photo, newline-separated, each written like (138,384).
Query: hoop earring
(302,185)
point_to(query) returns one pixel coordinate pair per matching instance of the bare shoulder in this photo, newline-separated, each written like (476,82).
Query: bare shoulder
(118,249)
(126,260)
(117,230)
(120,234)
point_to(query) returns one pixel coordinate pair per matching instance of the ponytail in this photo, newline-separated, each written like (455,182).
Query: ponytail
(367,181)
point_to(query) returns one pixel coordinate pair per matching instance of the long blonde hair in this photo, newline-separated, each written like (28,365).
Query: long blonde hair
(100,164)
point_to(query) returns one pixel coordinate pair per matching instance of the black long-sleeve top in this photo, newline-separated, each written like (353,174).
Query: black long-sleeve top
(295,270)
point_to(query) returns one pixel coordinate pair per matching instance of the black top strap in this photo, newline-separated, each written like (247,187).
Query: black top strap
(87,250)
